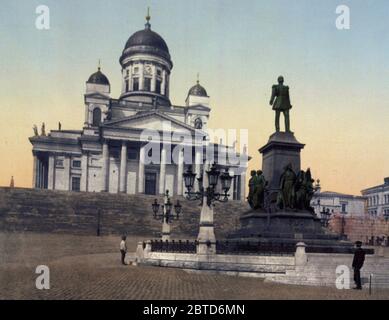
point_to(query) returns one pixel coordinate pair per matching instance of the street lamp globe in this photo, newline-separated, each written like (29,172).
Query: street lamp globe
(213,176)
(178,208)
(189,178)
(226,181)
(168,206)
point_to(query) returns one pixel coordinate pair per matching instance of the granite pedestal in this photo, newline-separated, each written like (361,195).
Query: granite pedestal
(285,226)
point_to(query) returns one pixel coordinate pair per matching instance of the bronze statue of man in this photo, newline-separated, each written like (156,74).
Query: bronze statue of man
(259,190)
(280,101)
(252,182)
(287,187)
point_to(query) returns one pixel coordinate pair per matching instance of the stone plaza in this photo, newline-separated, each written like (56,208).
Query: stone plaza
(85,267)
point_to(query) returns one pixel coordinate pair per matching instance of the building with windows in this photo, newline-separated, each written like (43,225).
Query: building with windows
(378,199)
(338,203)
(112,152)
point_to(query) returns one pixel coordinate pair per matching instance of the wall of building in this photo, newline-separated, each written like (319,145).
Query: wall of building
(360,228)
(354,205)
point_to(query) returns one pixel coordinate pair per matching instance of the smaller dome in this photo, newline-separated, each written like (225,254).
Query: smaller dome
(98,78)
(198,90)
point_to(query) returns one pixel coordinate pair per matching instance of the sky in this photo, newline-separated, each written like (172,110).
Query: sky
(338,79)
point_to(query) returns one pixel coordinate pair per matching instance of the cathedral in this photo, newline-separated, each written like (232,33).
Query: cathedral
(109,153)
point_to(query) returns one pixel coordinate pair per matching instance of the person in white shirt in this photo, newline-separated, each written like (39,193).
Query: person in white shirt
(123,249)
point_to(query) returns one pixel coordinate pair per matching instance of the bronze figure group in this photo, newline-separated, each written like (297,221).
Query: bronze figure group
(257,187)
(296,191)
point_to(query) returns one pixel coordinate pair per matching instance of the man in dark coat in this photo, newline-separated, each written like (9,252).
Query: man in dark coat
(280,101)
(359,259)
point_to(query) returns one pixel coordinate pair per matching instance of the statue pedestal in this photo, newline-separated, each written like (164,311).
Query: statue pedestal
(289,228)
(281,149)
(280,226)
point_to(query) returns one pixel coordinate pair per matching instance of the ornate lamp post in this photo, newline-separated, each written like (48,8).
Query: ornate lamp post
(208,195)
(166,216)
(325,217)
(213,177)
(343,226)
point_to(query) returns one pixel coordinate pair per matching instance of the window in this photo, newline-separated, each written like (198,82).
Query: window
(135,84)
(76,182)
(344,207)
(198,123)
(159,72)
(158,86)
(136,70)
(127,85)
(76,164)
(96,117)
(147,84)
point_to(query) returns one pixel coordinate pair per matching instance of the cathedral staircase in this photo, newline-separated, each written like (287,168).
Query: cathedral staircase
(104,214)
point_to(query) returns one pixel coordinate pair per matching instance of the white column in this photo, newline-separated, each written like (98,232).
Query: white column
(35,171)
(84,172)
(206,233)
(197,169)
(141,76)
(105,168)
(141,170)
(231,191)
(154,78)
(66,165)
(123,169)
(180,172)
(124,74)
(86,122)
(163,83)
(243,187)
(162,171)
(51,182)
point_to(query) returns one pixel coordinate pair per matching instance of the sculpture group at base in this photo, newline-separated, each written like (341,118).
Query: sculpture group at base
(257,187)
(295,191)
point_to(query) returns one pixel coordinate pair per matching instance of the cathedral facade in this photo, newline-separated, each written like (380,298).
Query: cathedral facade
(112,152)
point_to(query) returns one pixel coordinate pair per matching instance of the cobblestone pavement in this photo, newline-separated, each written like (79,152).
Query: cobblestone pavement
(89,268)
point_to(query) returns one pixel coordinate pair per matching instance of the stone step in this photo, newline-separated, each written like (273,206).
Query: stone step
(60,211)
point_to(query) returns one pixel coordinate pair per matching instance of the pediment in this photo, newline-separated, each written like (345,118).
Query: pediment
(154,121)
(97,95)
(199,107)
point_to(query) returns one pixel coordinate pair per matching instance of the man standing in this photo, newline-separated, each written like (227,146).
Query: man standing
(280,101)
(359,259)
(123,249)
(252,182)
(287,187)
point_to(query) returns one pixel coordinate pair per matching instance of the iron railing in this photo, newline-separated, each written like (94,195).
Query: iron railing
(254,248)
(174,246)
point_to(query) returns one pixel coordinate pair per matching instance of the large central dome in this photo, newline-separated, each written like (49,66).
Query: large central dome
(146,67)
(146,41)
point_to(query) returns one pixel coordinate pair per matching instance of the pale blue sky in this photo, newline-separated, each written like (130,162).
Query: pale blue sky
(339,79)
